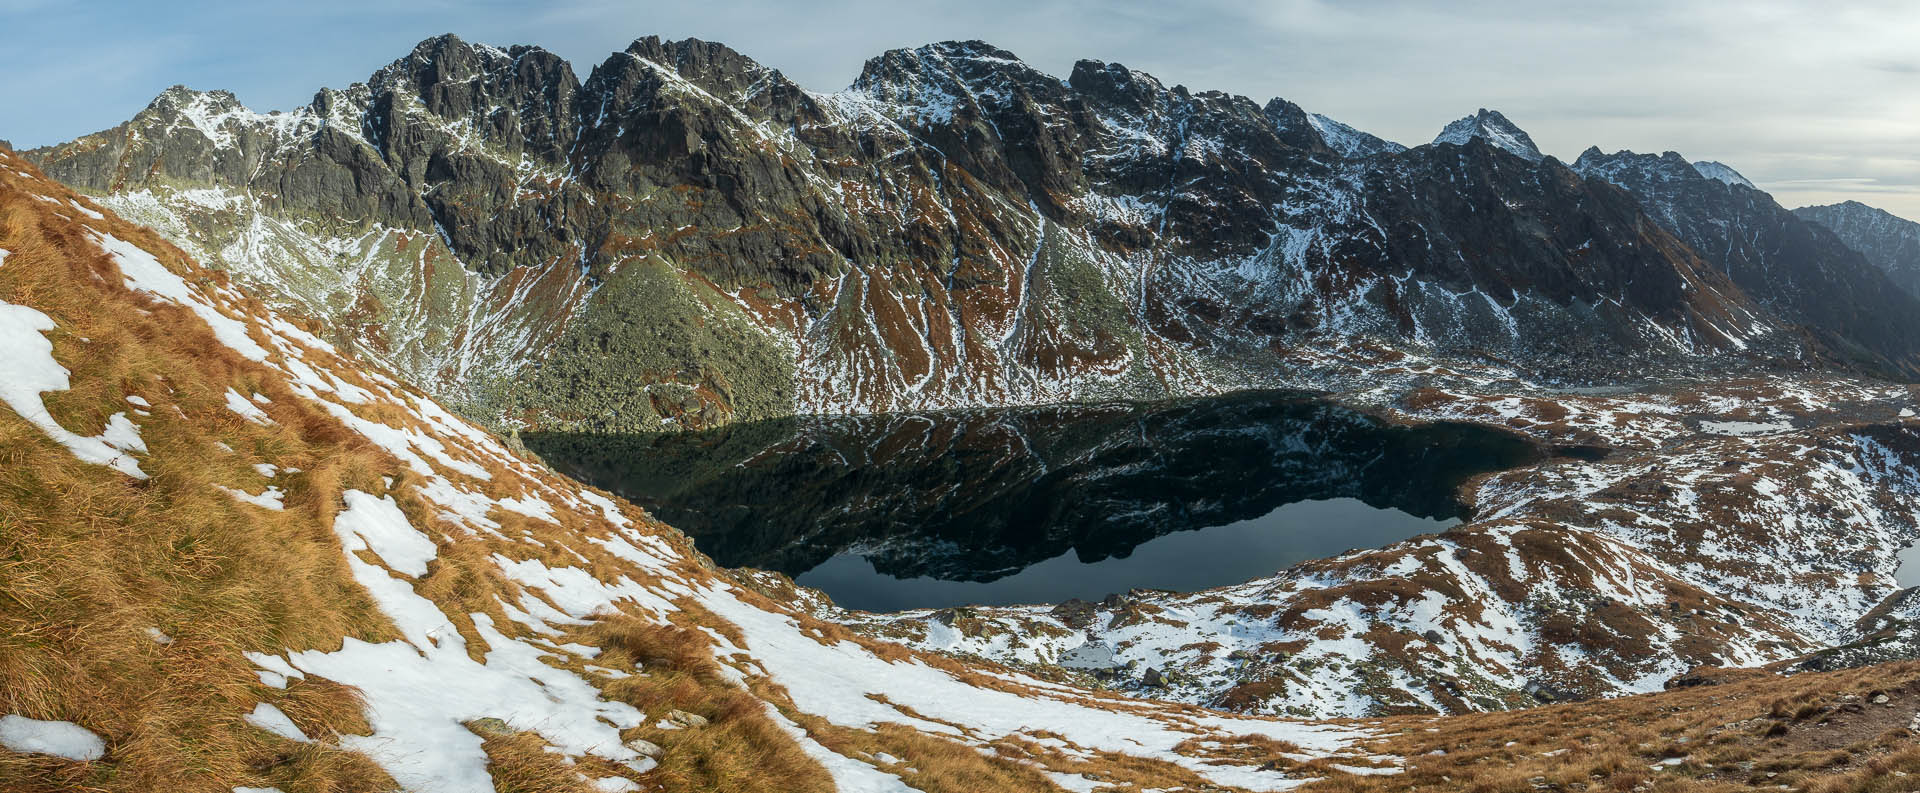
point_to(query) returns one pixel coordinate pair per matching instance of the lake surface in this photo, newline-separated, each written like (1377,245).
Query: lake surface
(1183,562)
(1043,504)
(1908,574)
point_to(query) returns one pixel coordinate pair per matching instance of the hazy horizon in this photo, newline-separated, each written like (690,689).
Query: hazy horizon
(1815,105)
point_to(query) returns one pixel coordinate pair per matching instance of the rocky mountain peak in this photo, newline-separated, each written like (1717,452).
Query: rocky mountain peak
(203,109)
(1295,127)
(216,116)
(1628,168)
(1859,210)
(1772,255)
(934,80)
(177,97)
(726,75)
(714,67)
(1114,85)
(1015,236)
(970,50)
(440,61)
(1494,128)
(518,100)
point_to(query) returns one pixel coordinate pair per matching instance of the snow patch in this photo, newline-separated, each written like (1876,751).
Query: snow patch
(267,499)
(273,720)
(1722,173)
(57,738)
(240,405)
(421,690)
(377,524)
(27,369)
(1746,428)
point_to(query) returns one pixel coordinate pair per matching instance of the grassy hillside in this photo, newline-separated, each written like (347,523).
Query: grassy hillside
(231,558)
(131,603)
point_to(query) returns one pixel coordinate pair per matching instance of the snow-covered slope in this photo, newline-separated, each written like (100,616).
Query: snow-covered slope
(1722,172)
(1731,525)
(1799,271)
(1350,142)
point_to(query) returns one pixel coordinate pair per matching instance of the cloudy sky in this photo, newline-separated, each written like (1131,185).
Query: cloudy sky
(1815,103)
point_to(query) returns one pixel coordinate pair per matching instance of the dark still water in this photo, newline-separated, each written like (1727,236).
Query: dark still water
(1183,561)
(1036,505)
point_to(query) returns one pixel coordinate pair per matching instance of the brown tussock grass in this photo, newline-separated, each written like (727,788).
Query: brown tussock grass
(520,763)
(91,559)
(1807,732)
(739,750)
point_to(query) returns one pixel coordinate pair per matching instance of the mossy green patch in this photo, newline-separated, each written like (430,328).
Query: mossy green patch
(653,345)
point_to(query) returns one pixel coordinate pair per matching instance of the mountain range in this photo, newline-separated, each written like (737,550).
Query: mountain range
(687,238)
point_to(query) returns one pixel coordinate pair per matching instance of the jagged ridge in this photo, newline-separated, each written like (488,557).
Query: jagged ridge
(688,238)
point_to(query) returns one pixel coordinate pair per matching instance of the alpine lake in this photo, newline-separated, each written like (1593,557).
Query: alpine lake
(1045,504)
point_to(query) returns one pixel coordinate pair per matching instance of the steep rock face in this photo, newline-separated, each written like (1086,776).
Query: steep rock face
(1796,270)
(402,210)
(1890,242)
(687,238)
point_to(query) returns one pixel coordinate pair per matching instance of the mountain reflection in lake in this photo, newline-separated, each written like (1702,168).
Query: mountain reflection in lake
(928,510)
(1183,561)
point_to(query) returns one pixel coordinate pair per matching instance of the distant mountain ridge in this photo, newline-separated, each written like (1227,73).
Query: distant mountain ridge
(1792,268)
(687,238)
(1889,241)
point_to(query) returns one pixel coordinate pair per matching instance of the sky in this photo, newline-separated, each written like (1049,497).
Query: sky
(1814,102)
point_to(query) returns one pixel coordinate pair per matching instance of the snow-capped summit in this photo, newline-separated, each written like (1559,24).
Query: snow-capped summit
(1496,129)
(1713,169)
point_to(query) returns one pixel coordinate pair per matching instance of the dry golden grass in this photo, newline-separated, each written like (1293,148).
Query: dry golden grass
(1808,732)
(740,750)
(90,559)
(520,763)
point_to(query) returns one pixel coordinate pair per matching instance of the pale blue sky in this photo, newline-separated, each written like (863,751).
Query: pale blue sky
(1814,103)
